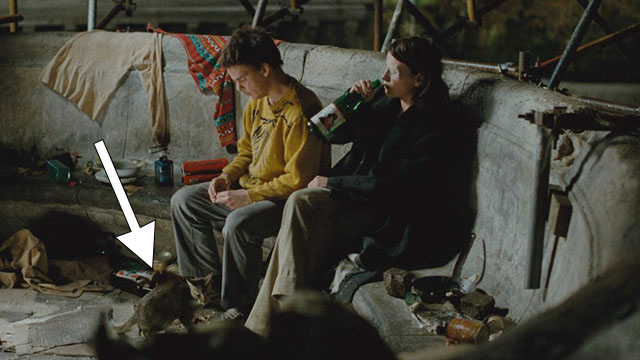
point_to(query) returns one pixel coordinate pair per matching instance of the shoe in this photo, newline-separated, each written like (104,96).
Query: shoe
(234,314)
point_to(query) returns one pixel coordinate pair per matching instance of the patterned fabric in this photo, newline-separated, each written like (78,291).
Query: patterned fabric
(202,61)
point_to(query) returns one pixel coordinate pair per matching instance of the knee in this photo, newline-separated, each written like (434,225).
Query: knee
(181,199)
(299,197)
(233,224)
(305,198)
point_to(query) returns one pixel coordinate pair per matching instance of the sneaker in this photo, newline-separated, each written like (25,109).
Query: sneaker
(233,314)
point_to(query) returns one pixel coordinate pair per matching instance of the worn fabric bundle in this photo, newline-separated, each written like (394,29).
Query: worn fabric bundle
(25,255)
(24,262)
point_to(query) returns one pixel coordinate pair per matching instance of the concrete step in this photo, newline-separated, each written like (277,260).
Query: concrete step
(393,320)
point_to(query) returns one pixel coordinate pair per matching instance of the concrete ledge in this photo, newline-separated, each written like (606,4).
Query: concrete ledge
(33,196)
(392,318)
(24,199)
(151,200)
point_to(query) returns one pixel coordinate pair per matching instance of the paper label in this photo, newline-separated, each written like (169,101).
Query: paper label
(328,119)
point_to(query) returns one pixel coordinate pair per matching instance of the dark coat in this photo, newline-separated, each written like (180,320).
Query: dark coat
(403,168)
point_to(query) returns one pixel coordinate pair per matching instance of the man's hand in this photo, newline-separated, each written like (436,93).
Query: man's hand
(363,87)
(319,181)
(217,184)
(233,199)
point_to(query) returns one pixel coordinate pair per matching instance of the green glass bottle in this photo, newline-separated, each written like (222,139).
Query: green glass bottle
(334,114)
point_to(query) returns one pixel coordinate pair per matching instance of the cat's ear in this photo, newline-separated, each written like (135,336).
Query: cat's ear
(192,286)
(208,278)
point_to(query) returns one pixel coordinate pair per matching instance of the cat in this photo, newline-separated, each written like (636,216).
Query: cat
(172,298)
(307,325)
(223,340)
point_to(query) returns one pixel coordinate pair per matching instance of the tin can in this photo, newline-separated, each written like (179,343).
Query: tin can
(161,261)
(470,331)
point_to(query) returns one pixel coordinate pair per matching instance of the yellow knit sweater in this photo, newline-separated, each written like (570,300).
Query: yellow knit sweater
(277,154)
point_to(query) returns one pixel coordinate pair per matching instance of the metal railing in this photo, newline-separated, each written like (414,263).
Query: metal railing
(13,18)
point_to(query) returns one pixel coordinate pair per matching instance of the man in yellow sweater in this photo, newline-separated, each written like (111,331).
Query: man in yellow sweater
(277,155)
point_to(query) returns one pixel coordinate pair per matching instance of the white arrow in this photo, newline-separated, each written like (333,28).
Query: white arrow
(140,240)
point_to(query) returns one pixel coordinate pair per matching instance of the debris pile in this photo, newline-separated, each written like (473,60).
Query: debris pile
(442,306)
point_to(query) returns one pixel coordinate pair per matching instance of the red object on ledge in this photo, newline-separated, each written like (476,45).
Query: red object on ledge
(203,166)
(194,172)
(196,179)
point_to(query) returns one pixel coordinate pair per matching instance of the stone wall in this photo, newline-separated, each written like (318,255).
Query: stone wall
(602,171)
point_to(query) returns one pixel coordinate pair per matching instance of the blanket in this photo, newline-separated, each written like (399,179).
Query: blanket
(203,52)
(88,69)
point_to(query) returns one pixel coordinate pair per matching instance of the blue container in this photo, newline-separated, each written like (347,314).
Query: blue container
(164,171)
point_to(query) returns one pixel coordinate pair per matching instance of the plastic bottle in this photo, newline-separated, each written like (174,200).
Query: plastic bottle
(334,114)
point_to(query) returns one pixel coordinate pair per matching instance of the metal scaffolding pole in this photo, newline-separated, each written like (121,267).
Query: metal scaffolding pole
(257,18)
(247,5)
(111,15)
(461,24)
(91,16)
(633,60)
(574,42)
(544,139)
(471,10)
(377,25)
(393,26)
(13,13)
(614,37)
(426,24)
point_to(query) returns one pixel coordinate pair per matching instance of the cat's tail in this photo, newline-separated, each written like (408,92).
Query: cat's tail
(108,348)
(121,329)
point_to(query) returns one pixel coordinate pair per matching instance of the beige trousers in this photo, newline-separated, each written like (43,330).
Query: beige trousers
(312,223)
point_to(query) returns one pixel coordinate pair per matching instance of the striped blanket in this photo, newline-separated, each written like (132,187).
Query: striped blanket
(202,61)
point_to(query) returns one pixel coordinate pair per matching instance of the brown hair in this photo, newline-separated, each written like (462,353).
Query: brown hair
(423,57)
(250,46)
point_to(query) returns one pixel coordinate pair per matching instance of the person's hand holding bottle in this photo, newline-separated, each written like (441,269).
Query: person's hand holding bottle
(364,88)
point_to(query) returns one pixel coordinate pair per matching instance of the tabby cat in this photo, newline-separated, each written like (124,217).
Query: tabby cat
(174,297)
(224,340)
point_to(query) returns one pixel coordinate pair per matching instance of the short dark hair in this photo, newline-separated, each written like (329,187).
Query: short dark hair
(250,46)
(422,56)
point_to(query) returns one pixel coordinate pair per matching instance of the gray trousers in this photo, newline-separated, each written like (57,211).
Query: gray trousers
(243,230)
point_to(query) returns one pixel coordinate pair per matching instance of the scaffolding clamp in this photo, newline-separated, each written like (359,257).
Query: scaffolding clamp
(583,119)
